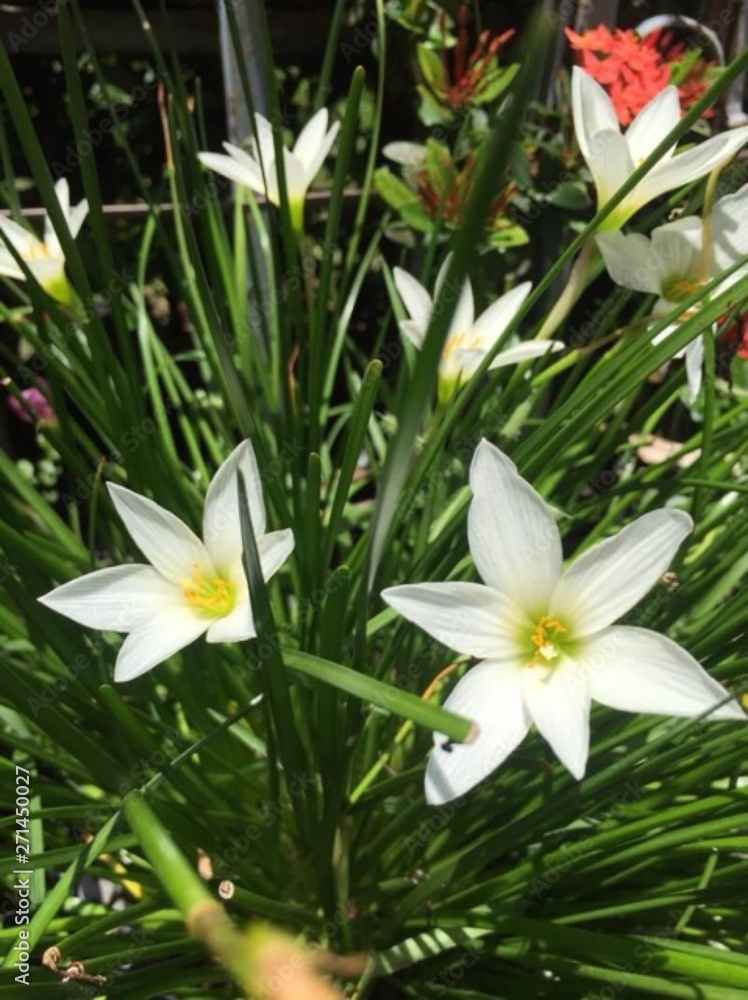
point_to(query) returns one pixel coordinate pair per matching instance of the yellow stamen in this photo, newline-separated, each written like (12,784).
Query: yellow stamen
(209,596)
(38,251)
(461,342)
(544,640)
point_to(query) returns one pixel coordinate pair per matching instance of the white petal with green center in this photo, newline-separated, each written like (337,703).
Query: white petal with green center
(117,599)
(221,525)
(558,702)
(157,639)
(471,619)
(636,670)
(237,626)
(166,542)
(491,695)
(512,533)
(608,580)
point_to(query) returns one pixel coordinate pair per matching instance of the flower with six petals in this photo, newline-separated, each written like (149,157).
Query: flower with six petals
(612,157)
(672,263)
(546,636)
(257,169)
(191,587)
(469,339)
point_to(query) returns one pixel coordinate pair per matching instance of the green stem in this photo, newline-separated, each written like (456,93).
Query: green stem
(574,287)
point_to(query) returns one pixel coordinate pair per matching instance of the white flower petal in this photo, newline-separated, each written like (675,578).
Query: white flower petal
(652,124)
(246,162)
(558,702)
(23,240)
(166,542)
(273,549)
(636,670)
(263,142)
(592,109)
(407,154)
(413,331)
(610,578)
(117,599)
(491,695)
(313,167)
(467,617)
(77,217)
(310,140)
(630,261)
(695,367)
(729,230)
(156,640)
(676,247)
(526,352)
(228,166)
(221,525)
(415,298)
(611,166)
(297,182)
(492,323)
(513,536)
(237,626)
(689,166)
(464,314)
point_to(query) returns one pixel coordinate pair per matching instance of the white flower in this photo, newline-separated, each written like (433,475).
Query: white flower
(545,635)
(672,264)
(469,339)
(411,155)
(613,157)
(191,587)
(44,258)
(257,170)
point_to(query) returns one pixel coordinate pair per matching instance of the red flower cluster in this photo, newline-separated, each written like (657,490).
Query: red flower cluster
(632,69)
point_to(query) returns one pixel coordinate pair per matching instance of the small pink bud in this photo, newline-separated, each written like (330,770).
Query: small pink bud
(36,402)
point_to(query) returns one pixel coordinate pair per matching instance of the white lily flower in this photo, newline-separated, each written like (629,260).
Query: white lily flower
(44,257)
(469,339)
(672,264)
(546,636)
(257,170)
(191,587)
(613,157)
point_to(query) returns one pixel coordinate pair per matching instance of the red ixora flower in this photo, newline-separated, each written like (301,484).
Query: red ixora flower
(470,72)
(633,70)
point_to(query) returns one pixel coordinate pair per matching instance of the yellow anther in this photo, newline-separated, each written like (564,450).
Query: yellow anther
(209,596)
(544,639)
